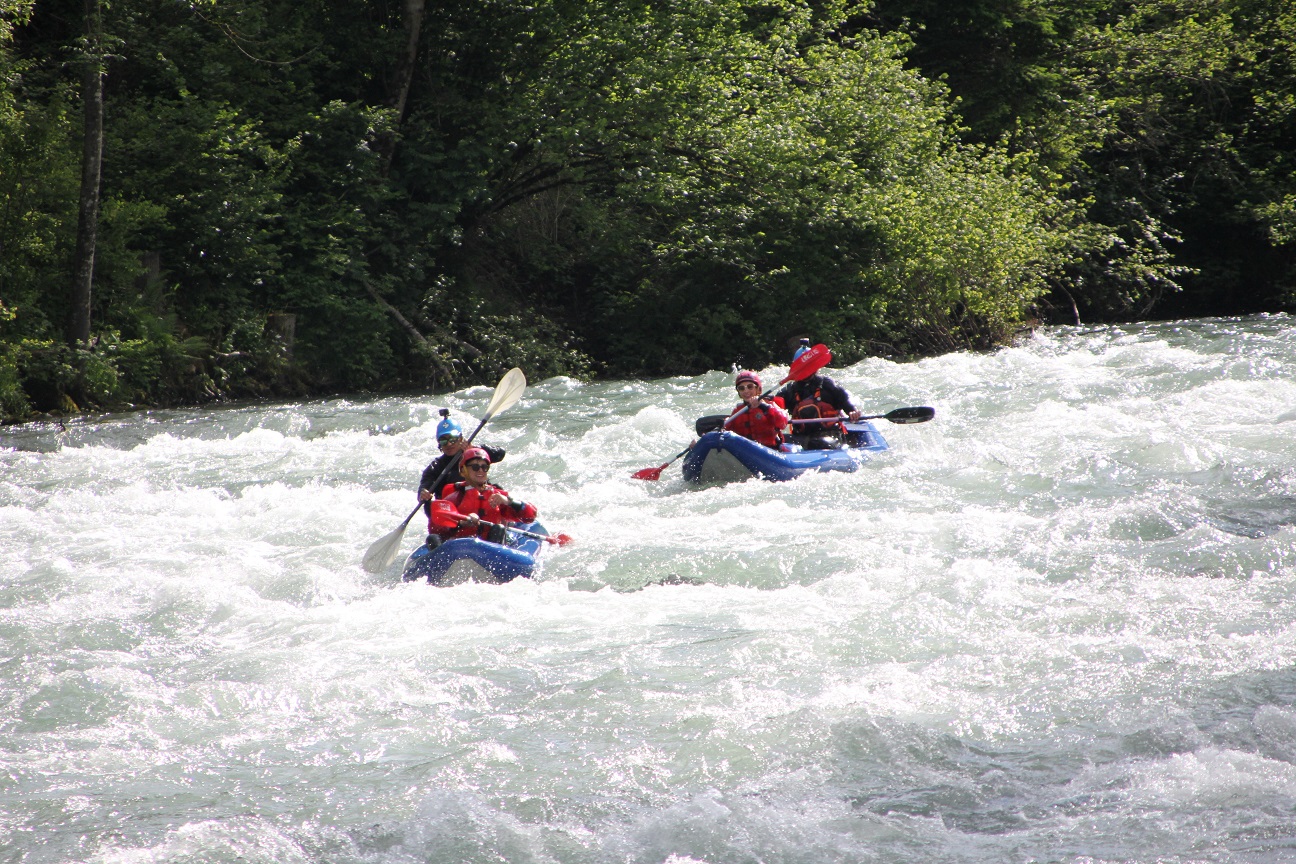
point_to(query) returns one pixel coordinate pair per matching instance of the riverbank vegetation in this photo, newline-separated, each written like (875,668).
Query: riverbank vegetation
(206,199)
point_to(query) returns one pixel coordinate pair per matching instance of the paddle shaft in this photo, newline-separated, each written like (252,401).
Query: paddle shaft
(818,420)
(655,473)
(520,531)
(417,507)
(491,411)
(461,518)
(899,415)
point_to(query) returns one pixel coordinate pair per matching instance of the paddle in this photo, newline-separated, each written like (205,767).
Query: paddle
(655,473)
(712,422)
(507,392)
(383,550)
(906,415)
(810,362)
(444,515)
(899,415)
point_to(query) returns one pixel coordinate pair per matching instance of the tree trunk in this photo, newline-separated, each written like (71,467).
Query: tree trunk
(92,95)
(412,18)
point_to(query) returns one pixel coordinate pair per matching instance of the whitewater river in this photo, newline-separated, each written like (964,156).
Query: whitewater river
(1055,624)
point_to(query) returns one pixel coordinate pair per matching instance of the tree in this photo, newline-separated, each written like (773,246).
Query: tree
(1164,121)
(437,190)
(727,173)
(92,97)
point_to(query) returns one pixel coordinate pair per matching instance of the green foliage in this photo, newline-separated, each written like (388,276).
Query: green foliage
(1166,125)
(38,194)
(335,212)
(159,368)
(57,377)
(742,173)
(14,404)
(624,187)
(222,198)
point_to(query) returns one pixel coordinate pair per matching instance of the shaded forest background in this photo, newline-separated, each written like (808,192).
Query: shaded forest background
(207,199)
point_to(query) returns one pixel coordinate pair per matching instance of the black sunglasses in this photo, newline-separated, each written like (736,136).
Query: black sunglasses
(477,466)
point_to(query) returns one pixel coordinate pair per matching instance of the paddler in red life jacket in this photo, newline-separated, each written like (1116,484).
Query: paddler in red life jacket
(816,396)
(758,419)
(481,501)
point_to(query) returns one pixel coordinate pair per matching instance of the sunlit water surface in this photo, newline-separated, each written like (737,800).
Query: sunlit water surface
(1054,624)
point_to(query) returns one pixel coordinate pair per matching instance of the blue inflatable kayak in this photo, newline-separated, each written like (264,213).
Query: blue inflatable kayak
(469,559)
(724,457)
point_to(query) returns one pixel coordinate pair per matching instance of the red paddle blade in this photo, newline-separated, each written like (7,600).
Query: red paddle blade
(808,363)
(649,473)
(559,539)
(444,514)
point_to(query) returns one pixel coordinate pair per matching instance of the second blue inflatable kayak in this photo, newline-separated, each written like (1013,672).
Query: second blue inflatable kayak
(723,457)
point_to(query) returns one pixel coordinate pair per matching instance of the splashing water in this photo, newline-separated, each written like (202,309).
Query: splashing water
(1054,624)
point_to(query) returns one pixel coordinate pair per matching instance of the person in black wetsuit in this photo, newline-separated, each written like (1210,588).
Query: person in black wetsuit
(445,468)
(817,396)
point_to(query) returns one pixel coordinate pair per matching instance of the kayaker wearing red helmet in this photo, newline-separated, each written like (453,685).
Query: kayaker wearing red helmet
(758,419)
(481,501)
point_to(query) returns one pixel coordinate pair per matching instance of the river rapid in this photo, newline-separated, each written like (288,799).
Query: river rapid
(1055,624)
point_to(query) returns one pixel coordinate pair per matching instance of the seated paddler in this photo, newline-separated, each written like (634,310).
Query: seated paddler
(813,397)
(481,501)
(451,443)
(756,418)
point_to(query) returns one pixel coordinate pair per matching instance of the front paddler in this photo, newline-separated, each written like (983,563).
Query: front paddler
(755,417)
(481,501)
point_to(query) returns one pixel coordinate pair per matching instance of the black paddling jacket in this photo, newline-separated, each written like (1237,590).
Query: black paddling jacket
(820,388)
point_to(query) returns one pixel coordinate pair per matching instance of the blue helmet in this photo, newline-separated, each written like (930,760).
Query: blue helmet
(804,347)
(448,428)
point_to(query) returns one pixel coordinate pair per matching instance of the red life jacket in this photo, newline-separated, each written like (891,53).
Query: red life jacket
(763,425)
(813,405)
(469,500)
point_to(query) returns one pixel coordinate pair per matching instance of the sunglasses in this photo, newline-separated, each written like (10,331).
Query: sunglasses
(747,385)
(446,442)
(476,466)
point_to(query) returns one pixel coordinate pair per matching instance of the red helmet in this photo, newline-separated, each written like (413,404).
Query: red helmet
(747,375)
(474,453)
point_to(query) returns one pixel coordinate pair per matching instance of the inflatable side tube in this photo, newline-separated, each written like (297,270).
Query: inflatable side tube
(723,457)
(470,559)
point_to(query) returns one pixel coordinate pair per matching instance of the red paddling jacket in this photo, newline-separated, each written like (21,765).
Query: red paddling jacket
(762,424)
(468,500)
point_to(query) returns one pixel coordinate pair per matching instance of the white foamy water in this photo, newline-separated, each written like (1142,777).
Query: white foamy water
(1054,624)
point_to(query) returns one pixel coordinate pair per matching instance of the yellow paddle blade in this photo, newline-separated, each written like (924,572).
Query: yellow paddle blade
(382,551)
(507,392)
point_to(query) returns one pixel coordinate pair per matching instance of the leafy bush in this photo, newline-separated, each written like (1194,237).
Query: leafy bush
(14,404)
